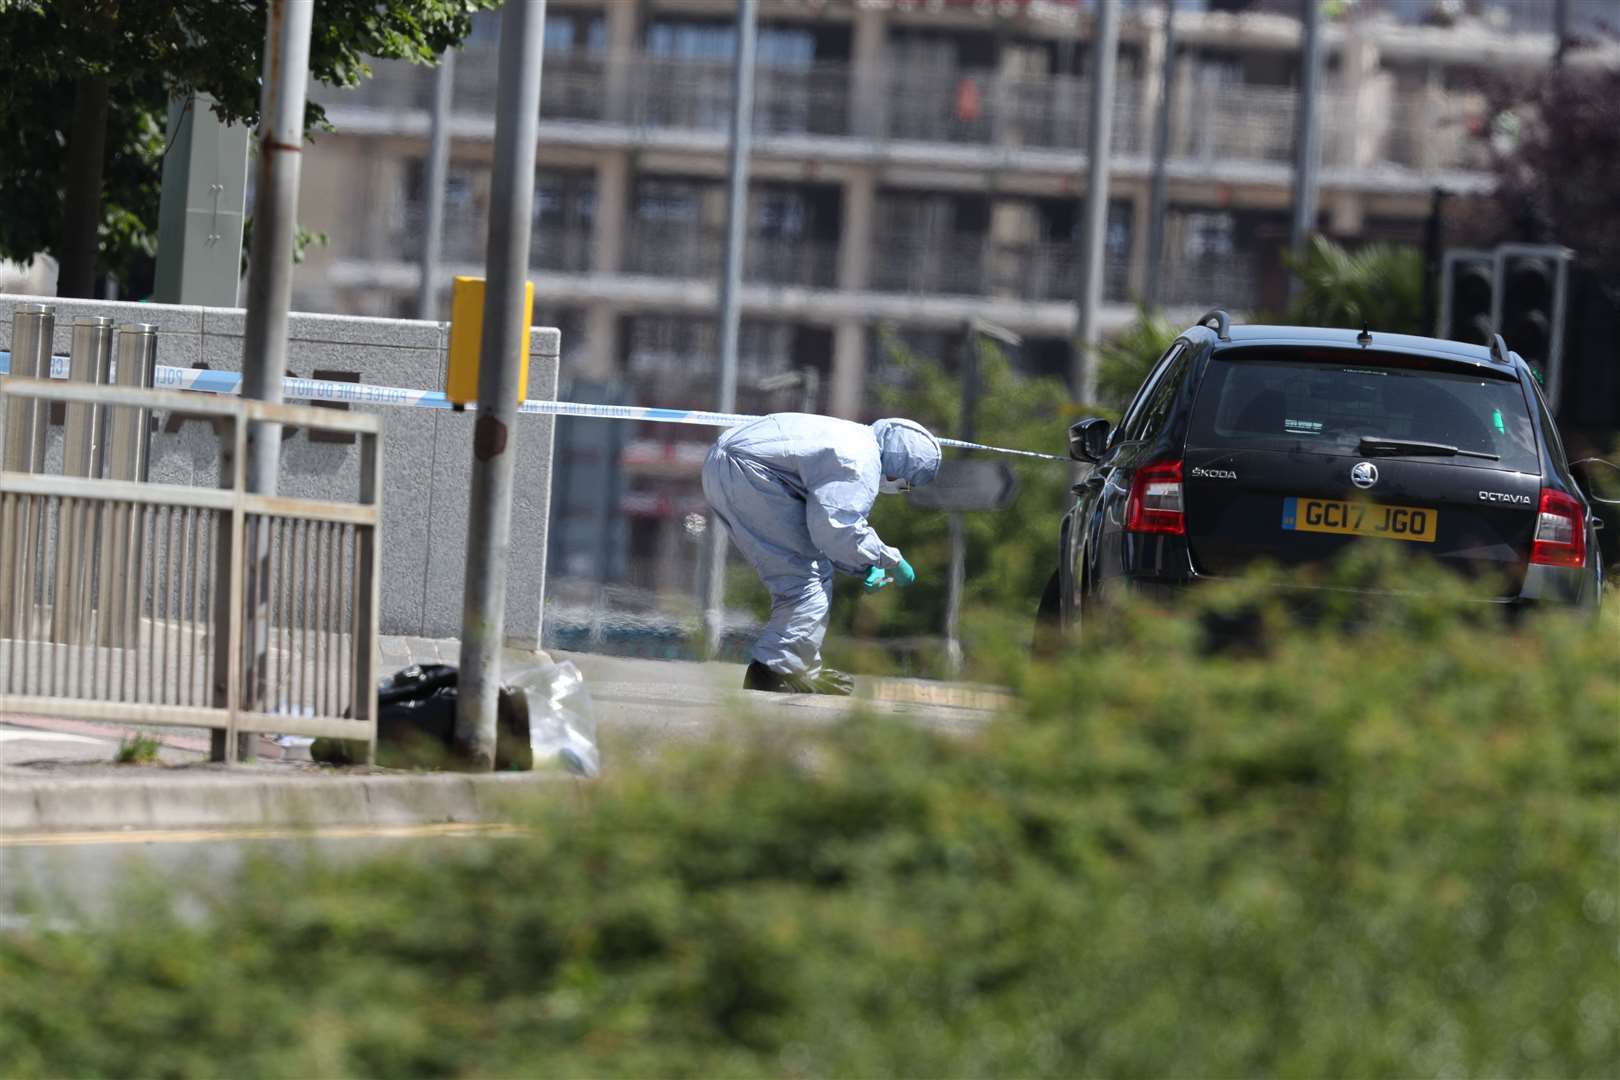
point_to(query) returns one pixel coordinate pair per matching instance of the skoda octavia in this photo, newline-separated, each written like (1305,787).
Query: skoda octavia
(1287,443)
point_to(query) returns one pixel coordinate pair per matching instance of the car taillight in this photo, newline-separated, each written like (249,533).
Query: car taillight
(1560,531)
(1155,502)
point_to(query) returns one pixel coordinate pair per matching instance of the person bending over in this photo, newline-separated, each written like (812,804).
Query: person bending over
(794,491)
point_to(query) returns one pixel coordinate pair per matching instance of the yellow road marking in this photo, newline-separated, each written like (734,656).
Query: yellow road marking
(204,836)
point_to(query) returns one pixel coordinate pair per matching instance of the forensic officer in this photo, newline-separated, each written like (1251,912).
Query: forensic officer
(794,491)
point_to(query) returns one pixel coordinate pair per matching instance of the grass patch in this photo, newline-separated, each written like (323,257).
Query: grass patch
(138,749)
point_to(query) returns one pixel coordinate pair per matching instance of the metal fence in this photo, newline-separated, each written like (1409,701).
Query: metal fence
(684,251)
(1215,119)
(980,267)
(167,604)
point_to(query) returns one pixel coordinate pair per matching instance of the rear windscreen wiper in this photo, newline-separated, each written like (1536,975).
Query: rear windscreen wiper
(1372,444)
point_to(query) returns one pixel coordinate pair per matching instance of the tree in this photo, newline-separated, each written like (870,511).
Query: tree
(1555,149)
(1379,286)
(1125,360)
(60,57)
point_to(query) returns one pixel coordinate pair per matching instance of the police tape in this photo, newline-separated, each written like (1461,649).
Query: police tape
(353,393)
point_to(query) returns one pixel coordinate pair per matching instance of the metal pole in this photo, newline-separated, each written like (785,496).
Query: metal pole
(129,439)
(1560,32)
(958,572)
(742,113)
(32,328)
(438,167)
(264,334)
(1307,141)
(1161,153)
(1432,252)
(489,508)
(89,362)
(1094,226)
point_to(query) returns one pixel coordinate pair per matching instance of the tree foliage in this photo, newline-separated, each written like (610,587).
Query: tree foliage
(1379,286)
(1158,863)
(151,51)
(1555,143)
(1125,360)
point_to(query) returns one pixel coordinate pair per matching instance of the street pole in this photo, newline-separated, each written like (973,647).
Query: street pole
(742,114)
(489,498)
(438,166)
(957,581)
(1161,155)
(264,333)
(1433,244)
(1094,226)
(1560,33)
(1307,142)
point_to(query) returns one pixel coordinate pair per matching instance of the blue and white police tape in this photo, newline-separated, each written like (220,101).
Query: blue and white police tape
(295,389)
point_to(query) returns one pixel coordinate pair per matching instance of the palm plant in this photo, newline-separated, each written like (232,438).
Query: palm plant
(1379,287)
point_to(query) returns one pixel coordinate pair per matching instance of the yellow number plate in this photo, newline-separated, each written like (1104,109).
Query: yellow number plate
(1360,519)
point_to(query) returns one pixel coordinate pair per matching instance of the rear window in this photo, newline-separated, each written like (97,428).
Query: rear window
(1312,400)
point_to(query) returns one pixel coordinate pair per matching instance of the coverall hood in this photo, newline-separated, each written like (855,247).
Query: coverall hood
(909,452)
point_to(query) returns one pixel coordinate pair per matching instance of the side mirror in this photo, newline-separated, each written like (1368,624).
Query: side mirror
(1088,439)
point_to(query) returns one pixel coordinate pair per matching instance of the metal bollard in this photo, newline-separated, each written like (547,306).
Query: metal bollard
(32,328)
(89,361)
(129,439)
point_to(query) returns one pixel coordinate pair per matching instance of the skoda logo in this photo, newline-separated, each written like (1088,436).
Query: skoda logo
(1364,475)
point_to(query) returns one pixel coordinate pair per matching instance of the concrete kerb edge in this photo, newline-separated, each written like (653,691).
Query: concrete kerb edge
(147,803)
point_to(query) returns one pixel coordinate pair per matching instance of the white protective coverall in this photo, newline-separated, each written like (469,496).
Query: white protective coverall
(794,490)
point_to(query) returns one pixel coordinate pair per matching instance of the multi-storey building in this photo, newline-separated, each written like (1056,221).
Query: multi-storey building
(915,163)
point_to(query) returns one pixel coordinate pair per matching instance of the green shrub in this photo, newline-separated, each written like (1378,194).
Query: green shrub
(1382,845)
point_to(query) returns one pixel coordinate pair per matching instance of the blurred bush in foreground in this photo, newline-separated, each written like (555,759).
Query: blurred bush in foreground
(1383,844)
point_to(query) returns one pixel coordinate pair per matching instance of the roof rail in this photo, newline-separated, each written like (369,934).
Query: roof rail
(1499,350)
(1223,322)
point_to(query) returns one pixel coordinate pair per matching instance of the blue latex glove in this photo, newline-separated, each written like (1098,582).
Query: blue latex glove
(876,578)
(904,574)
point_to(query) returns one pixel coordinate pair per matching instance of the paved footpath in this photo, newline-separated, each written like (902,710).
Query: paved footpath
(58,777)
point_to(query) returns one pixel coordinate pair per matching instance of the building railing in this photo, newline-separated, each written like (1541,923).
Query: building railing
(682,251)
(979,267)
(142,602)
(945,105)
(1214,121)
(564,250)
(1230,281)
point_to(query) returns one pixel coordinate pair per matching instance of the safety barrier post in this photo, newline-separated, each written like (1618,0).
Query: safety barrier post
(89,363)
(32,328)
(128,445)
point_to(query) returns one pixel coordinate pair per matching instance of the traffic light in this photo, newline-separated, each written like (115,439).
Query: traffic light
(1529,307)
(1467,296)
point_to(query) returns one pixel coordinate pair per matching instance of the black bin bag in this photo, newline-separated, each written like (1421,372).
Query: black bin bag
(416,725)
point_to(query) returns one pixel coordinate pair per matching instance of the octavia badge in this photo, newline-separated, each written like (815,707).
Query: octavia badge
(1364,475)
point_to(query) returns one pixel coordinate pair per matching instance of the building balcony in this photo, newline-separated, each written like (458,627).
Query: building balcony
(564,250)
(681,251)
(1425,130)
(980,267)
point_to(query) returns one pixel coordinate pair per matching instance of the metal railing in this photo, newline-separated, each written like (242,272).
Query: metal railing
(1231,281)
(564,250)
(980,267)
(683,251)
(133,601)
(1214,120)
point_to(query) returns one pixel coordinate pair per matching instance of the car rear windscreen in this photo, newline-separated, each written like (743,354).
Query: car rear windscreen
(1311,399)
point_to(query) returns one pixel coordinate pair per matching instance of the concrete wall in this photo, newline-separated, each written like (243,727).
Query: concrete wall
(427,453)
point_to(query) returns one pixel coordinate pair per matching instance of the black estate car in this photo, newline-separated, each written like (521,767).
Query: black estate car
(1287,443)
